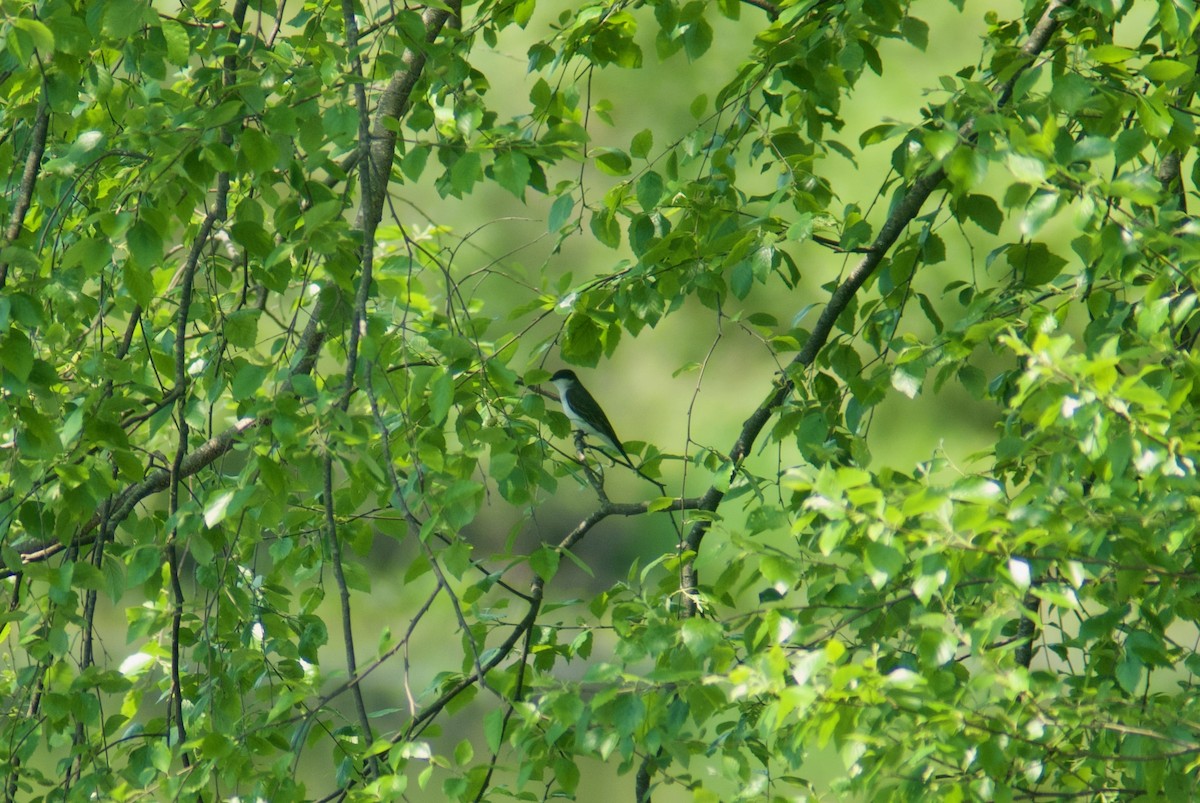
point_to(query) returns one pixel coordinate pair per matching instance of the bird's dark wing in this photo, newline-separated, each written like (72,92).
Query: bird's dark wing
(589,410)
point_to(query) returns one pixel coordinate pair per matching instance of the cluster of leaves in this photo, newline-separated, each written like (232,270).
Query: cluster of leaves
(233,373)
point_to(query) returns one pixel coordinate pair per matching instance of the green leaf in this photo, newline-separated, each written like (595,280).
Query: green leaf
(21,257)
(940,142)
(698,38)
(1071,91)
(929,583)
(1162,71)
(604,226)
(253,237)
(1026,81)
(741,279)
(260,152)
(40,35)
(582,343)
(123,17)
(145,244)
(247,381)
(92,253)
(915,31)
(974,381)
(493,729)
(561,212)
(1090,149)
(906,383)
(1129,674)
(441,396)
(460,503)
(16,354)
(613,161)
(179,46)
(882,563)
(214,511)
(138,282)
(463,752)
(812,432)
(414,161)
(1034,262)
(322,213)
(642,142)
(628,712)
(544,563)
(701,636)
(241,327)
(1111,54)
(142,562)
(1038,211)
(1130,143)
(612,42)
(1139,186)
(649,190)
(466,172)
(38,437)
(512,171)
(967,168)
(1154,116)
(880,133)
(1026,168)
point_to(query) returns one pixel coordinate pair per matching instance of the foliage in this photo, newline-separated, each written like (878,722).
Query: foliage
(238,366)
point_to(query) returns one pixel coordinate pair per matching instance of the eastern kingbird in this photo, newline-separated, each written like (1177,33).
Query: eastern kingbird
(585,413)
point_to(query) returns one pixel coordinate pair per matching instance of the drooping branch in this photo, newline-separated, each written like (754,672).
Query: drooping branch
(366,254)
(378,148)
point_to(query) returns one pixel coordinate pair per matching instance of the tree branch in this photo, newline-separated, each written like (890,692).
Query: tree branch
(394,102)
(771,9)
(366,254)
(900,217)
(33,163)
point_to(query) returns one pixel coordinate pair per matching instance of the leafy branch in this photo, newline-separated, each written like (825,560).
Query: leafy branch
(902,214)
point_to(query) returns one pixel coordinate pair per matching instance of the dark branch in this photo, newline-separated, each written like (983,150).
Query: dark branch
(33,163)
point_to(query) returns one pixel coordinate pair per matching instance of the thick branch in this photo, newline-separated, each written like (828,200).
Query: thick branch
(33,163)
(393,105)
(157,482)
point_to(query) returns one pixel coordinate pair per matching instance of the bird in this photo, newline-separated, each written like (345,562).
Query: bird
(585,412)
